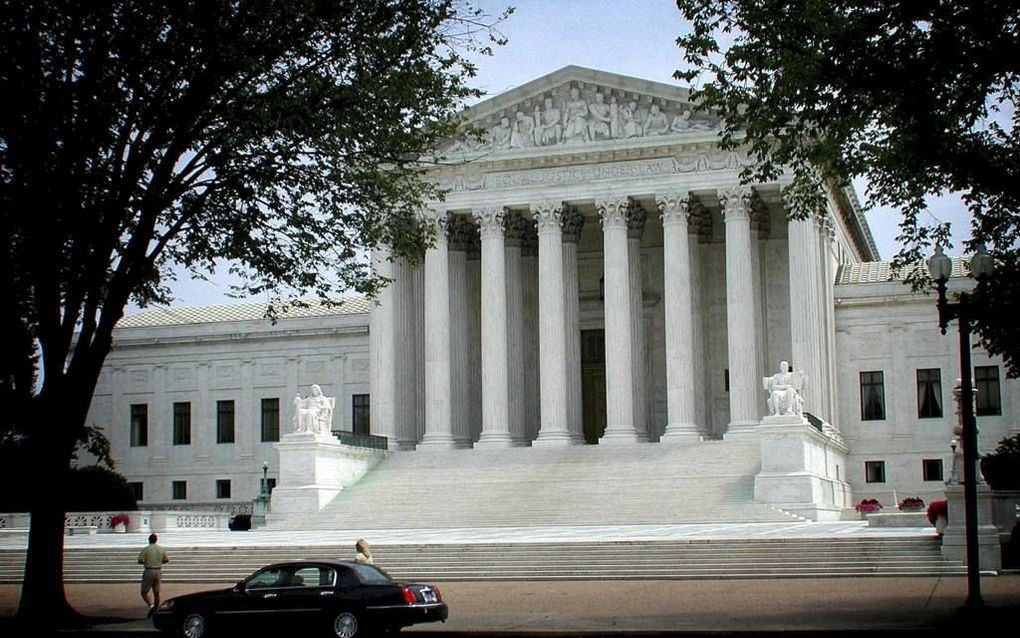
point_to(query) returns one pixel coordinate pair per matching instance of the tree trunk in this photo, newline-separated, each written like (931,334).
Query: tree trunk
(43,601)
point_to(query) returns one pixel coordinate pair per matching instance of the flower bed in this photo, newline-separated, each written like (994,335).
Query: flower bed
(911,504)
(868,505)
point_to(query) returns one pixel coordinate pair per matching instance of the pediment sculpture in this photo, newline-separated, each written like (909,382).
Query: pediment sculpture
(574,116)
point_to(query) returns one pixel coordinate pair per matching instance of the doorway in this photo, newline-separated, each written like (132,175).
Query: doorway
(593,384)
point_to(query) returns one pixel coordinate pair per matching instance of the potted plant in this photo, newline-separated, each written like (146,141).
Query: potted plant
(868,505)
(911,504)
(119,523)
(938,515)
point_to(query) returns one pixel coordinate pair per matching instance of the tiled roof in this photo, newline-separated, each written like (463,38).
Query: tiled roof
(175,316)
(871,272)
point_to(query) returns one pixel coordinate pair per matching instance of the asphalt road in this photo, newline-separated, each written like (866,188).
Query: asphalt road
(588,608)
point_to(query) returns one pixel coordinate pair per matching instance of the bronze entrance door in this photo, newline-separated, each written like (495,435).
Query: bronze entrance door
(593,384)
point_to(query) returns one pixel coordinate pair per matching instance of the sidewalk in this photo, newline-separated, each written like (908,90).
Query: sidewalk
(732,607)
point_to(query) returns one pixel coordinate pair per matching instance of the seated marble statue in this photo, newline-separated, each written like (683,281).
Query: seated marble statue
(784,390)
(315,413)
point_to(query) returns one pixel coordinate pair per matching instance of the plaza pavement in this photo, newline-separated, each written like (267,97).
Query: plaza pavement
(714,607)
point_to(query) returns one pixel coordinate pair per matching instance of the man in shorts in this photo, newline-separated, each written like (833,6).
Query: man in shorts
(152,559)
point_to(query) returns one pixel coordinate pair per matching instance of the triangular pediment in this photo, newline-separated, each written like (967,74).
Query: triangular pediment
(575,106)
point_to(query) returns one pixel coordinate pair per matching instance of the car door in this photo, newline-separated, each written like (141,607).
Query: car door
(307,593)
(256,602)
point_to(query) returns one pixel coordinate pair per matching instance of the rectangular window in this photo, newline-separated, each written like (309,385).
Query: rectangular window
(359,415)
(224,421)
(932,469)
(180,490)
(270,420)
(182,423)
(986,380)
(872,396)
(929,393)
(139,424)
(137,490)
(223,488)
(874,471)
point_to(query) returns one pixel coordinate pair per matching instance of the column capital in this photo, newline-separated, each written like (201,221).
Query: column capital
(491,220)
(573,224)
(613,211)
(438,222)
(673,207)
(515,229)
(736,202)
(636,218)
(548,216)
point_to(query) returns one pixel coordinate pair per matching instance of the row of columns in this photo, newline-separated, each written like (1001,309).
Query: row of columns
(502,336)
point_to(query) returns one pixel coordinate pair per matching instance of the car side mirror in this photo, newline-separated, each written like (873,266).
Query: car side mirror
(240,587)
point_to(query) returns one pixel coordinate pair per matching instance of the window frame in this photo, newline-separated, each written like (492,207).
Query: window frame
(174,485)
(982,404)
(138,436)
(929,393)
(268,430)
(924,470)
(866,398)
(182,422)
(220,484)
(221,422)
(880,465)
(361,414)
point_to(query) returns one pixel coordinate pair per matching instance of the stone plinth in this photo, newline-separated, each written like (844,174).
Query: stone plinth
(801,469)
(954,539)
(313,470)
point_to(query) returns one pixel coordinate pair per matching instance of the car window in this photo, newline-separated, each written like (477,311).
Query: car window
(274,577)
(312,576)
(371,575)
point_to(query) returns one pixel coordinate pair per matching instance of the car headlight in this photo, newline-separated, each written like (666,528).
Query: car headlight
(166,605)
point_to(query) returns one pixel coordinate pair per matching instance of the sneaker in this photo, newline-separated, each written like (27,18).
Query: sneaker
(152,610)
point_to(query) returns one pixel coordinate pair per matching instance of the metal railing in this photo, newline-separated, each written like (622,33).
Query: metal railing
(370,441)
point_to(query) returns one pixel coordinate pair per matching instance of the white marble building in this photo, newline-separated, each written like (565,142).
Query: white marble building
(599,277)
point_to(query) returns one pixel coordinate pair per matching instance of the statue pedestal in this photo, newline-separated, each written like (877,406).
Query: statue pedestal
(313,470)
(802,469)
(954,539)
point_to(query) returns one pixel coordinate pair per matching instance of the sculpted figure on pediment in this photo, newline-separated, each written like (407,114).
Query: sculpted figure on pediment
(601,117)
(547,124)
(683,123)
(629,124)
(499,135)
(523,133)
(656,124)
(575,118)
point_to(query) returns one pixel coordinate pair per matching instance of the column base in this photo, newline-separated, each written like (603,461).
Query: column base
(680,433)
(489,440)
(438,442)
(741,431)
(555,439)
(620,434)
(518,441)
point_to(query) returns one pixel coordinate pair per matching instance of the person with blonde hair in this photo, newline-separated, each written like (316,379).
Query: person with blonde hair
(364,554)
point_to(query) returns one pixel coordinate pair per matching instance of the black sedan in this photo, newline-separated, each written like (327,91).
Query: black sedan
(342,598)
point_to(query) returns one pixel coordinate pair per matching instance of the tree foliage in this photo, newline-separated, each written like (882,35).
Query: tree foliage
(138,137)
(919,98)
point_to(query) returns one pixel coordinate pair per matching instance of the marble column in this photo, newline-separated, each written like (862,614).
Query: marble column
(740,332)
(409,370)
(515,332)
(529,260)
(552,327)
(381,338)
(438,426)
(635,229)
(495,407)
(620,428)
(474,332)
(459,356)
(806,341)
(573,224)
(680,318)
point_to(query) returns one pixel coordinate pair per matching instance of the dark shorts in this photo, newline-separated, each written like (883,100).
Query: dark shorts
(150,580)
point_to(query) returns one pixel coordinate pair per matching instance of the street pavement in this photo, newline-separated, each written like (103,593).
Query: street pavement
(832,606)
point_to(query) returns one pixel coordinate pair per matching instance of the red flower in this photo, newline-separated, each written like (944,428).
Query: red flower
(937,510)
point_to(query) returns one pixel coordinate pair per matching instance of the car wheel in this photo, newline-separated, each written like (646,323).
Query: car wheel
(345,625)
(193,626)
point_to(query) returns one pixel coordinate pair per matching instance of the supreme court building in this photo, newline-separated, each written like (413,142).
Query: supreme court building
(598,276)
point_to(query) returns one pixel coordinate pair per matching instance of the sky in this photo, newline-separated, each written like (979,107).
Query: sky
(628,37)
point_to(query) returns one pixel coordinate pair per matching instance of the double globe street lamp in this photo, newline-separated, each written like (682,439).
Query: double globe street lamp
(941,267)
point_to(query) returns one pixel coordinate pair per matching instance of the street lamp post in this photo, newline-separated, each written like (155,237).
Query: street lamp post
(264,490)
(940,266)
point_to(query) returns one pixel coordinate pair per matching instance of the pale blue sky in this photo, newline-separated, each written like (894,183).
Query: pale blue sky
(629,37)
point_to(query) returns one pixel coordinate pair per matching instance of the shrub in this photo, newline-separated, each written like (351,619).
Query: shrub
(938,509)
(119,519)
(1001,468)
(868,505)
(95,488)
(911,503)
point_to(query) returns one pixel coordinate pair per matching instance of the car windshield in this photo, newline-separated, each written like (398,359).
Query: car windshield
(370,575)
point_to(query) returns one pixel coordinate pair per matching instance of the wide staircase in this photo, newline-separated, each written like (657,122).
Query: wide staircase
(587,560)
(709,482)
